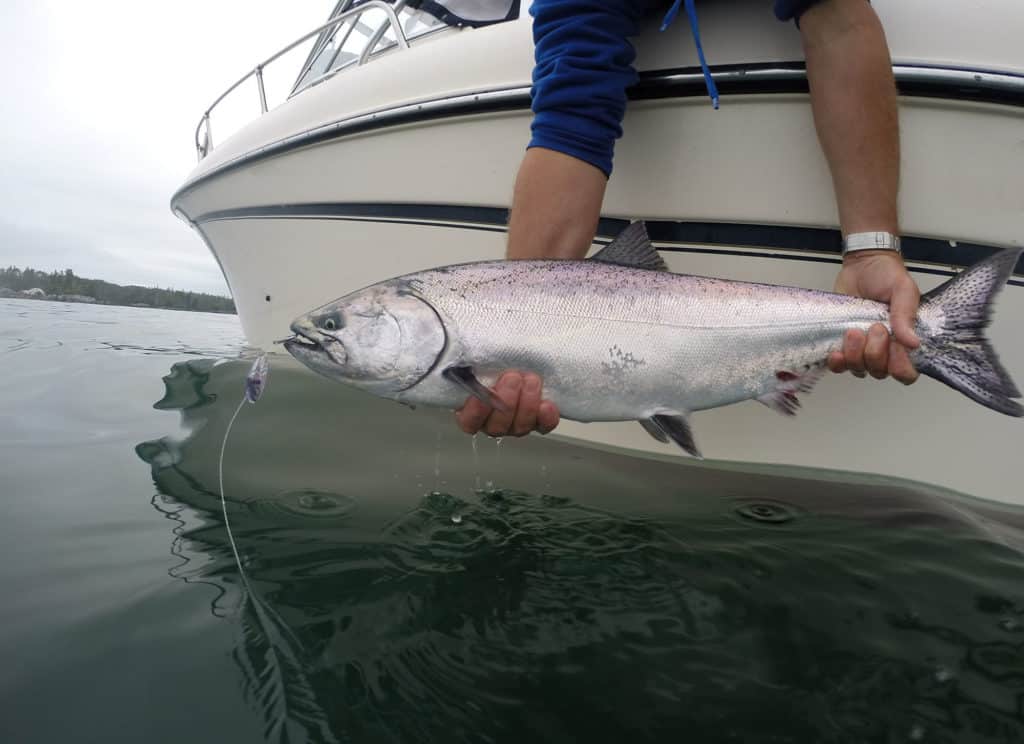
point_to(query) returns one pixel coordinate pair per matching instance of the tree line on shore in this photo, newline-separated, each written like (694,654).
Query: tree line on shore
(67,284)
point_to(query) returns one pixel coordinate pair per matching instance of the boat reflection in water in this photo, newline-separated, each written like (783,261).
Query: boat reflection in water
(409,584)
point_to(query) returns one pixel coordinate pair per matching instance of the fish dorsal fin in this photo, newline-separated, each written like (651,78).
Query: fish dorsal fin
(633,248)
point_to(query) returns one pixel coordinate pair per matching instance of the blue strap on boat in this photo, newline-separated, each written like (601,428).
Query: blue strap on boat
(691,11)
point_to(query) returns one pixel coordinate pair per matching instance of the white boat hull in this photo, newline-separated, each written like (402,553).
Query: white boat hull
(295,227)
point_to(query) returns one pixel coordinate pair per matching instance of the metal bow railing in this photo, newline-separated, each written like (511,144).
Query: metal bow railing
(203,134)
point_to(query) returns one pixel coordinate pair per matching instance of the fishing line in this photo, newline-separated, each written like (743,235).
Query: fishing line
(288,648)
(223,500)
(255,384)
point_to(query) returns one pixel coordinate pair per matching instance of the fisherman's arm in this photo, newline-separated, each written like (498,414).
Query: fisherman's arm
(584,64)
(853,97)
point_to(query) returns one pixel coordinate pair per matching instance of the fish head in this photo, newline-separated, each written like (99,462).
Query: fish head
(383,339)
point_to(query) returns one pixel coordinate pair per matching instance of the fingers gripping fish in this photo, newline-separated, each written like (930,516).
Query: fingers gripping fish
(618,337)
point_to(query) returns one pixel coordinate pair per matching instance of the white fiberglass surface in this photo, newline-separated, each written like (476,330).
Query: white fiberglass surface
(925,432)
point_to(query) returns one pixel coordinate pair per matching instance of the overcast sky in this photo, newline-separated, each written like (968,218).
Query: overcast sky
(98,112)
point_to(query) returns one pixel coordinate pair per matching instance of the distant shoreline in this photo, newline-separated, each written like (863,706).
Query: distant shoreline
(140,306)
(65,286)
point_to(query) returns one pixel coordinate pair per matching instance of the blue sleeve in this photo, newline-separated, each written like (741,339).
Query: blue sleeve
(583,66)
(789,10)
(584,63)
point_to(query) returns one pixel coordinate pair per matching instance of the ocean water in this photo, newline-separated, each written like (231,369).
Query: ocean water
(400,582)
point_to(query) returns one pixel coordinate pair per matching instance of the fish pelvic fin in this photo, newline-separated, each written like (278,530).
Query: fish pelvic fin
(632,247)
(674,428)
(951,323)
(784,398)
(465,379)
(654,430)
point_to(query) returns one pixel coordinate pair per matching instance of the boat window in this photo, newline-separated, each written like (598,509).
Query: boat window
(415,23)
(344,45)
(367,25)
(347,42)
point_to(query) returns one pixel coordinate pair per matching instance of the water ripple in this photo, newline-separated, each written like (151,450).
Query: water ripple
(724,608)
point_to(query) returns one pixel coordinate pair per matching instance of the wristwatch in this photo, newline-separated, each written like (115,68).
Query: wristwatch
(871,241)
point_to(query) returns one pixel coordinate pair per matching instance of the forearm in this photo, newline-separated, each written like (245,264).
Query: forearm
(556,206)
(853,97)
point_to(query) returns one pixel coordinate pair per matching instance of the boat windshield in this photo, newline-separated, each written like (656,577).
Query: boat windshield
(363,35)
(356,32)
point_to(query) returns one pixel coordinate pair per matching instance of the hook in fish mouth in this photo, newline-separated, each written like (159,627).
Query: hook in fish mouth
(300,341)
(305,335)
(313,348)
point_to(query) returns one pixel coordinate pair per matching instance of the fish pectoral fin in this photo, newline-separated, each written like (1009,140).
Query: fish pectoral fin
(784,397)
(671,427)
(464,378)
(632,247)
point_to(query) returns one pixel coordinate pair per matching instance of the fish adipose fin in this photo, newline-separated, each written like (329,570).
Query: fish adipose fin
(633,248)
(665,428)
(784,397)
(465,379)
(951,323)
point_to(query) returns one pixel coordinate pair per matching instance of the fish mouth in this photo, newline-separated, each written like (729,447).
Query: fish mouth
(304,344)
(297,342)
(310,347)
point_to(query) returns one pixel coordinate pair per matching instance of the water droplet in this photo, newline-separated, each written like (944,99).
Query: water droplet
(1011,625)
(766,511)
(916,732)
(437,456)
(305,503)
(456,518)
(952,244)
(316,500)
(476,463)
(942,674)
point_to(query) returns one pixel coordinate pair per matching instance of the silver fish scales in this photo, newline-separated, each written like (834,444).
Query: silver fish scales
(618,337)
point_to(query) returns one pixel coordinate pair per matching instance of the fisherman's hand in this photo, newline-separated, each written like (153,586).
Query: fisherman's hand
(527,411)
(881,276)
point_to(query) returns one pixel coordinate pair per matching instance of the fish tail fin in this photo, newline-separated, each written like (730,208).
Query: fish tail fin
(951,323)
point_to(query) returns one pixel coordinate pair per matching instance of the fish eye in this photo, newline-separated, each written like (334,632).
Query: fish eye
(330,325)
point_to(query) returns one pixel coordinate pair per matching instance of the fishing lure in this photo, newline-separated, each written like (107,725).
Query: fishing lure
(256,380)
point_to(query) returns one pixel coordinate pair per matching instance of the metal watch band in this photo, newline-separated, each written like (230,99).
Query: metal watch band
(871,241)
